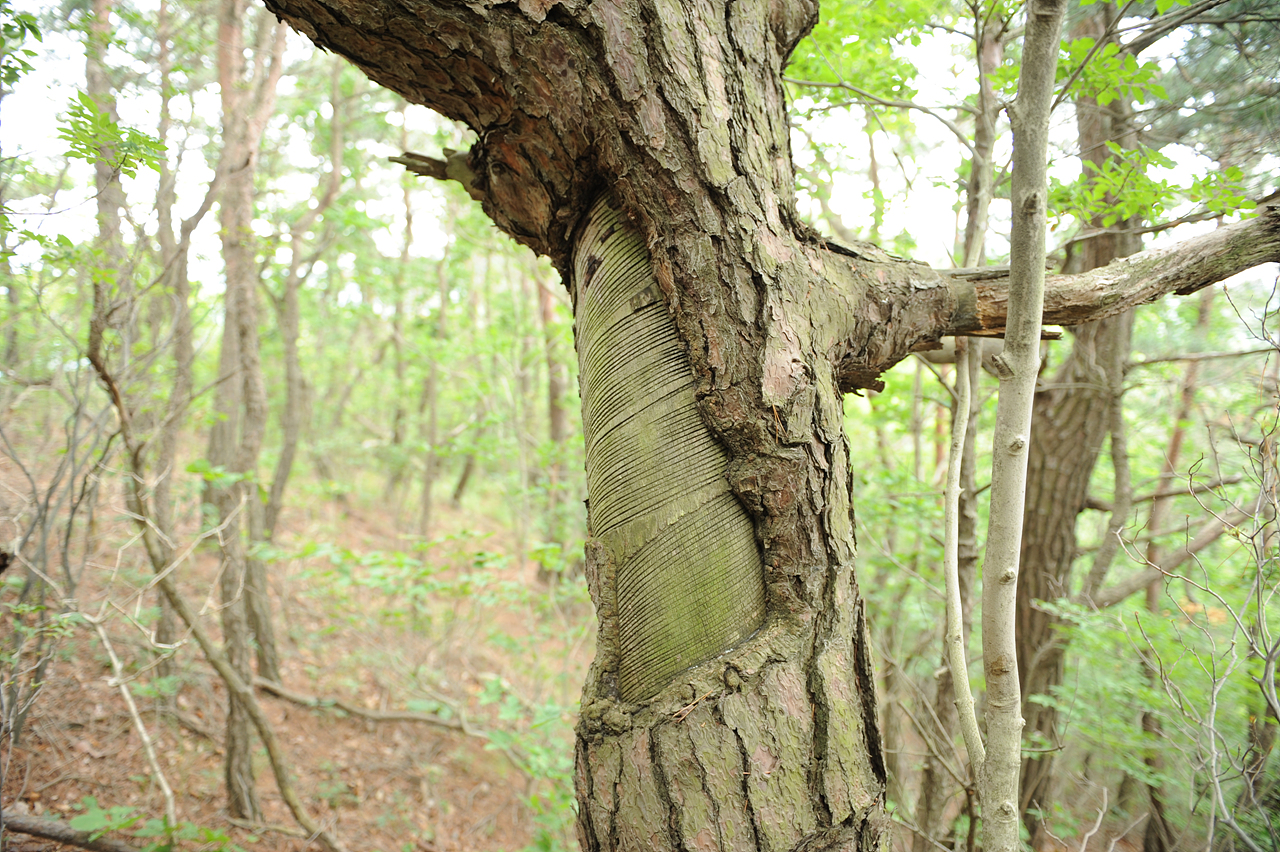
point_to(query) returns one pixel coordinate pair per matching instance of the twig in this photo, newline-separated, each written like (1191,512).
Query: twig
(121,683)
(281,691)
(1199,356)
(866,96)
(459,724)
(1097,824)
(683,712)
(250,825)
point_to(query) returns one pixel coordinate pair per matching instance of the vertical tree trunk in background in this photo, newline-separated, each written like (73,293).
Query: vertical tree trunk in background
(177,289)
(477,293)
(428,407)
(557,421)
(1159,835)
(12,294)
(430,399)
(111,280)
(11,354)
(1071,420)
(980,188)
(1069,427)
(399,463)
(295,405)
(235,439)
(877,195)
(108,283)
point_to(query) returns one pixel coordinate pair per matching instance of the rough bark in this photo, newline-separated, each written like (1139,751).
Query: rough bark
(735,752)
(240,398)
(678,111)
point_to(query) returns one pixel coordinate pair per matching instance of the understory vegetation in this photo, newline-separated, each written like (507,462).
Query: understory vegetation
(291,460)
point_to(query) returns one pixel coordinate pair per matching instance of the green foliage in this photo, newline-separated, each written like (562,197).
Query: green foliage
(537,740)
(1106,693)
(860,43)
(1128,186)
(1105,74)
(216,475)
(92,135)
(15,29)
(99,821)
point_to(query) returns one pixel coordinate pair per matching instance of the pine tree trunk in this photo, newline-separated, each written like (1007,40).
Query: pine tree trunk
(173,259)
(732,702)
(713,717)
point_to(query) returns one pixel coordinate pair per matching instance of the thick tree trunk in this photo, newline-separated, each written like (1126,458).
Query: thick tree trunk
(240,398)
(699,725)
(754,730)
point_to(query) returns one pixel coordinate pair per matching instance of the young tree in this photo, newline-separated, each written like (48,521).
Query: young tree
(240,397)
(644,147)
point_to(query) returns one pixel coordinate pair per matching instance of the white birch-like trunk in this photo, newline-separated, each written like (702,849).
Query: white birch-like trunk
(1018,366)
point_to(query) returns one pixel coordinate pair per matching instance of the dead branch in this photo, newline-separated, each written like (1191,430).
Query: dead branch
(60,832)
(458,724)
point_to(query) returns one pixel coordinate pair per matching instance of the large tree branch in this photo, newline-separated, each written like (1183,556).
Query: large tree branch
(879,309)
(1182,268)
(569,99)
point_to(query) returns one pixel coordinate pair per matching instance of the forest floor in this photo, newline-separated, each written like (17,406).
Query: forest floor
(367,616)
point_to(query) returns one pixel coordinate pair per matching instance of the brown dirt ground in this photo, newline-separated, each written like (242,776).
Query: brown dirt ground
(380,785)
